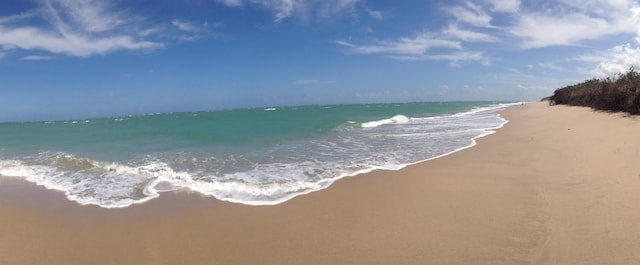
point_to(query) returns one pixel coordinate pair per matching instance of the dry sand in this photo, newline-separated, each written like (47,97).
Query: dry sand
(556,185)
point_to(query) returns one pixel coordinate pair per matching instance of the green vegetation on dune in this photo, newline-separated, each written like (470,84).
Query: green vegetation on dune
(610,94)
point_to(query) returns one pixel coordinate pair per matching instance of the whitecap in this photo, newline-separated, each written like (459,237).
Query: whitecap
(398,119)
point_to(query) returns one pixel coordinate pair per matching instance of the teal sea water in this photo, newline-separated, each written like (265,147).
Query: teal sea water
(251,156)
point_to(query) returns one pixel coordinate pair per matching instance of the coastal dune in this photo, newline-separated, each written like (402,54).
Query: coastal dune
(555,185)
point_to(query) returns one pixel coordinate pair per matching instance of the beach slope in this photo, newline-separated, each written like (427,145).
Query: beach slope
(555,185)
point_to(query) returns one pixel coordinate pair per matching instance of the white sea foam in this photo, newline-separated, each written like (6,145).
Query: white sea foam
(14,168)
(88,181)
(398,119)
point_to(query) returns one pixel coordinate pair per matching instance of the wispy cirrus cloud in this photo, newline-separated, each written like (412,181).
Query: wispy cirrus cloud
(455,58)
(546,30)
(90,16)
(36,58)
(553,66)
(283,9)
(447,45)
(574,22)
(570,23)
(455,32)
(191,30)
(548,24)
(186,25)
(79,28)
(471,14)
(231,2)
(375,14)
(506,6)
(419,48)
(407,47)
(554,23)
(29,38)
(19,17)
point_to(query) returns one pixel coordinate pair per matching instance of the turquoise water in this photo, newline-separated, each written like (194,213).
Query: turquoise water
(252,156)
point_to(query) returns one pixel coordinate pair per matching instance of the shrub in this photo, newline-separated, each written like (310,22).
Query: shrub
(609,94)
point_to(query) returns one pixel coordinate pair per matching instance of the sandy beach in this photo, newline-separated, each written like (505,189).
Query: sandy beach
(555,185)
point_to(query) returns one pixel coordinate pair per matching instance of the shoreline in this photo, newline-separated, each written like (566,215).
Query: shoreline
(233,194)
(544,189)
(20,183)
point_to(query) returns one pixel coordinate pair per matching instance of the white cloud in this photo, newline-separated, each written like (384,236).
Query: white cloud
(287,8)
(149,31)
(552,66)
(583,23)
(29,38)
(543,30)
(618,60)
(570,22)
(507,6)
(546,24)
(417,46)
(328,10)
(185,26)
(190,31)
(377,15)
(455,32)
(74,27)
(90,15)
(454,58)
(609,8)
(231,2)
(36,58)
(471,14)
(18,17)
(283,8)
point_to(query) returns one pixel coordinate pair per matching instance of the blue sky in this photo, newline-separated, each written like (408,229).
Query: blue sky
(68,59)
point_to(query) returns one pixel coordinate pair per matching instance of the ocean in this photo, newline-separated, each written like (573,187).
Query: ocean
(258,156)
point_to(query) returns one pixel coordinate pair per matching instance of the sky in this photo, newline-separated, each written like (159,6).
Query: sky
(72,59)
